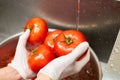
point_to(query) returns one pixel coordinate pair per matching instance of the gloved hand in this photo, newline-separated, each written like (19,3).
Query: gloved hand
(67,65)
(21,55)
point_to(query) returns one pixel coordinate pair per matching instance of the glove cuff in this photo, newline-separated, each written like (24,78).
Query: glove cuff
(23,71)
(50,72)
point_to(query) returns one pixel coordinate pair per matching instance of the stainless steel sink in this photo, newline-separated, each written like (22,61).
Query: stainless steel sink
(99,21)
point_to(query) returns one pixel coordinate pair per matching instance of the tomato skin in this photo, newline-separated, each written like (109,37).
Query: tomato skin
(51,38)
(38,30)
(39,57)
(33,78)
(67,41)
(10,59)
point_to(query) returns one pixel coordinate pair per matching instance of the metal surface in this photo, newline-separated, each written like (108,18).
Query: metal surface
(111,70)
(99,19)
(92,70)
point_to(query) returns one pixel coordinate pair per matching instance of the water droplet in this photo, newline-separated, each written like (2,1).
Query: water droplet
(111,65)
(105,69)
(87,71)
(111,58)
(116,50)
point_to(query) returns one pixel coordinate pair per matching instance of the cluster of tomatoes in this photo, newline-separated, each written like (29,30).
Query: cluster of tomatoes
(52,44)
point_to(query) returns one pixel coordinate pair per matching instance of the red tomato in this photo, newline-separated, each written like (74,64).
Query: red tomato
(38,28)
(39,57)
(33,78)
(67,41)
(51,38)
(10,59)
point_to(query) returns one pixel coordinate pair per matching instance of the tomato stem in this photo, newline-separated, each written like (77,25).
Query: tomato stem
(54,39)
(34,52)
(30,28)
(68,40)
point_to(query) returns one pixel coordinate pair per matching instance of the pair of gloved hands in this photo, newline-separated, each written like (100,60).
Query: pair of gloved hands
(58,68)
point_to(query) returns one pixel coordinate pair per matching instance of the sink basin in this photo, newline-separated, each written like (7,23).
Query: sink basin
(99,21)
(92,70)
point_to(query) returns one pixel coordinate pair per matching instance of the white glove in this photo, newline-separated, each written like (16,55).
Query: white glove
(21,55)
(67,65)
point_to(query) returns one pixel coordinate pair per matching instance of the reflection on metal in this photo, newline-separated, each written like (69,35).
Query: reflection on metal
(89,26)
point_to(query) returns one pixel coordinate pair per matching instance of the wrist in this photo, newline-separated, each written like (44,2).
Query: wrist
(15,74)
(9,73)
(25,72)
(43,76)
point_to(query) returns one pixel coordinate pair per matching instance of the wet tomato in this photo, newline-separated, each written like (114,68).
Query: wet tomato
(51,38)
(67,41)
(10,59)
(39,57)
(38,30)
